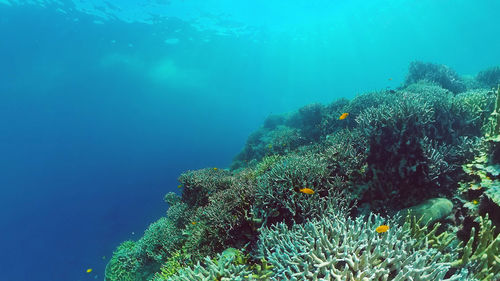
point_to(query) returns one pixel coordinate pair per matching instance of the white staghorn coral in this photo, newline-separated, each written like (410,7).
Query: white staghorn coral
(339,248)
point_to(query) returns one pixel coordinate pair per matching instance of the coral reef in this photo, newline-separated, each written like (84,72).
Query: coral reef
(437,73)
(339,248)
(489,77)
(160,240)
(404,186)
(481,257)
(125,265)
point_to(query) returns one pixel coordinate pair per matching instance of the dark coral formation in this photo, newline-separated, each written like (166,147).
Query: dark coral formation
(440,74)
(489,77)
(305,196)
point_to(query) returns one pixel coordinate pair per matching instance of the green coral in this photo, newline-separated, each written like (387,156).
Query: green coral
(227,266)
(200,184)
(124,264)
(159,240)
(495,117)
(223,221)
(481,253)
(231,264)
(396,149)
(278,193)
(174,263)
(427,236)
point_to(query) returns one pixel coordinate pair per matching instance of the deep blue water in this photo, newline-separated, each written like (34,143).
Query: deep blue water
(101,109)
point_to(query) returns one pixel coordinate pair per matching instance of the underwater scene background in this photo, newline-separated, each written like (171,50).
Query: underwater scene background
(288,140)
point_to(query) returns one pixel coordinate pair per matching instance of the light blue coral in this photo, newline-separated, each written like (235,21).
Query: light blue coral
(337,247)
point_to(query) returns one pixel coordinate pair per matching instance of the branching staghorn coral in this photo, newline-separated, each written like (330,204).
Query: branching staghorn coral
(223,221)
(199,184)
(339,248)
(495,116)
(438,73)
(228,266)
(160,240)
(346,152)
(474,107)
(481,253)
(416,142)
(308,120)
(489,77)
(278,189)
(125,264)
(180,214)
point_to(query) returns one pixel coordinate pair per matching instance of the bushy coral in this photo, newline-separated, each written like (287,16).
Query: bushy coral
(223,222)
(308,120)
(489,77)
(180,214)
(474,107)
(278,189)
(345,151)
(231,264)
(125,264)
(160,240)
(414,140)
(396,149)
(437,73)
(174,263)
(337,247)
(200,184)
(266,142)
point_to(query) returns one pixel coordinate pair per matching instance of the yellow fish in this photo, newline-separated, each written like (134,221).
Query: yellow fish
(343,116)
(215,169)
(179,186)
(89,270)
(306,190)
(381,229)
(193,222)
(475,202)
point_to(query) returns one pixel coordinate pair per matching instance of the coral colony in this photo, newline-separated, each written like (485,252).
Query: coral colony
(401,184)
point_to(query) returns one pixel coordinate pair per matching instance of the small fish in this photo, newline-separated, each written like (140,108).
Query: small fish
(193,222)
(343,116)
(381,229)
(306,190)
(215,169)
(89,270)
(475,202)
(390,79)
(179,186)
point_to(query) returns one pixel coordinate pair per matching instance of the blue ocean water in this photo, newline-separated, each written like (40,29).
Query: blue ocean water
(103,105)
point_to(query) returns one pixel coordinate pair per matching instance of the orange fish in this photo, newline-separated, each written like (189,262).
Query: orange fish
(193,222)
(381,229)
(343,116)
(306,190)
